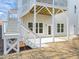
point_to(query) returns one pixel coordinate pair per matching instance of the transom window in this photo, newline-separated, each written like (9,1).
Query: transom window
(60,28)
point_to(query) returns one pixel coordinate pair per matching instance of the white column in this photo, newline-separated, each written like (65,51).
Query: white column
(68,18)
(53,22)
(5,26)
(76,23)
(34,20)
(19,5)
(4,40)
(18,46)
(78,17)
(5,46)
(68,30)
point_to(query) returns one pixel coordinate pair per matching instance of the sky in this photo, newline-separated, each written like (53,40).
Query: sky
(6,5)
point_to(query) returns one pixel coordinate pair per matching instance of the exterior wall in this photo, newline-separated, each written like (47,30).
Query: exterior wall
(61,19)
(46,20)
(73,17)
(77,3)
(40,19)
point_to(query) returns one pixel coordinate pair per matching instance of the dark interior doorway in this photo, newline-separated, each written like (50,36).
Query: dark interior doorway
(49,30)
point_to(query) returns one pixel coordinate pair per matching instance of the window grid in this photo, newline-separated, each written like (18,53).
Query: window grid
(60,28)
(39,27)
(30,26)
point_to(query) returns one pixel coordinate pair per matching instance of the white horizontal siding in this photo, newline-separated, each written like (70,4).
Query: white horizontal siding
(46,20)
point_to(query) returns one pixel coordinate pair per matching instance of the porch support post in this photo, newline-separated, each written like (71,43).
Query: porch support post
(53,22)
(4,40)
(19,24)
(18,46)
(34,23)
(5,46)
(34,20)
(67,28)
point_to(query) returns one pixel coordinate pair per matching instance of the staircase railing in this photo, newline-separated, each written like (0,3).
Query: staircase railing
(29,37)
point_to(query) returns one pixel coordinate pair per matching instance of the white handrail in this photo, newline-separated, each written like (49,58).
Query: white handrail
(30,33)
(26,29)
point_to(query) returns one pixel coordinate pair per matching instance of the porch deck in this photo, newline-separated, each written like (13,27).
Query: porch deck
(58,50)
(45,40)
(22,47)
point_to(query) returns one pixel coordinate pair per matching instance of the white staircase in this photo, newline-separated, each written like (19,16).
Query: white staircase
(29,37)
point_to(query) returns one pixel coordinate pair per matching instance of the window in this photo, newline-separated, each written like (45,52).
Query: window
(36,27)
(40,27)
(49,30)
(75,8)
(60,28)
(30,26)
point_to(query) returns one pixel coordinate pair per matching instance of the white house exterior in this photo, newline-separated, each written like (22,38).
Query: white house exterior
(61,18)
(49,18)
(41,20)
(46,20)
